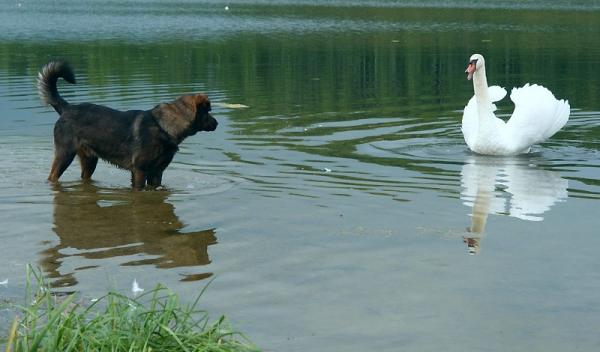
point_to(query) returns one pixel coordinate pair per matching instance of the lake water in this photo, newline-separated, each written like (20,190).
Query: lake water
(341,210)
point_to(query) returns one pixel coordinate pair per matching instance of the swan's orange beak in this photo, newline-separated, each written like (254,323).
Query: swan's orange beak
(470,70)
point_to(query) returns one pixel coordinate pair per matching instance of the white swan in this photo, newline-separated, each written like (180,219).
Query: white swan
(537,116)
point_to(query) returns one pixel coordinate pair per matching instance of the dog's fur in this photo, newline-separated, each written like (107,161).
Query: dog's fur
(143,142)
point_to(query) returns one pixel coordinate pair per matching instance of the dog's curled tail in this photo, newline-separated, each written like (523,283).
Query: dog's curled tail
(46,83)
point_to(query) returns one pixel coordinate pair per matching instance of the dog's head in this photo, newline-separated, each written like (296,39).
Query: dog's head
(185,116)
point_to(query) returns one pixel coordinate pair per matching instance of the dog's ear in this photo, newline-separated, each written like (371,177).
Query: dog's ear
(176,118)
(201,102)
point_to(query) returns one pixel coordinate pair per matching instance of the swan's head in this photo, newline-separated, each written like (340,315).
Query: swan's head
(476,62)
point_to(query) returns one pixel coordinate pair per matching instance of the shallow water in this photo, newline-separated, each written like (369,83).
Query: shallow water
(341,210)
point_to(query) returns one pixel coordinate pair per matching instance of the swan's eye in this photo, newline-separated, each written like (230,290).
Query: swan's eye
(473,62)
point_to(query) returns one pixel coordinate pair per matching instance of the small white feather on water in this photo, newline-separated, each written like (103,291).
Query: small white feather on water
(135,288)
(4,282)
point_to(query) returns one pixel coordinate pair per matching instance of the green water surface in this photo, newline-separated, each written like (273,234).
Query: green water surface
(340,209)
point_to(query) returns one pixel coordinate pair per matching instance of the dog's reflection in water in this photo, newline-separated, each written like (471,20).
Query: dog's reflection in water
(95,223)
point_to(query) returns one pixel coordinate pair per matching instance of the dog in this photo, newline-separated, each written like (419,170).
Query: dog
(141,141)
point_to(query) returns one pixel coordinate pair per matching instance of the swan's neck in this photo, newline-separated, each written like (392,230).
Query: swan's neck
(480,86)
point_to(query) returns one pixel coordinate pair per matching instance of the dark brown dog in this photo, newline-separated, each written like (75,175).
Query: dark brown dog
(143,142)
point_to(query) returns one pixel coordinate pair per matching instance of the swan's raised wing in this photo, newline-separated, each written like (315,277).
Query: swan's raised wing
(470,120)
(496,93)
(537,116)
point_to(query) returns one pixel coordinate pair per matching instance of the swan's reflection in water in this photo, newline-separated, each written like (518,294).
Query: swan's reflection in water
(140,227)
(506,186)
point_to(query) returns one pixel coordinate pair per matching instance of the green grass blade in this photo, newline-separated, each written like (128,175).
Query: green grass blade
(56,314)
(170,332)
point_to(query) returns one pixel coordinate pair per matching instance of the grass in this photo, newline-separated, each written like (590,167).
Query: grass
(154,321)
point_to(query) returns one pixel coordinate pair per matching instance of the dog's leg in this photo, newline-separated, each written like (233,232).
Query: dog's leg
(155,179)
(138,179)
(64,149)
(88,165)
(61,162)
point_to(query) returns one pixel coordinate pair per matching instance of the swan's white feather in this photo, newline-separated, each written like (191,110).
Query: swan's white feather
(496,93)
(537,115)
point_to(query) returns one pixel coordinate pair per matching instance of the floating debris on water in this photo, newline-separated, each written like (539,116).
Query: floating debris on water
(135,288)
(231,106)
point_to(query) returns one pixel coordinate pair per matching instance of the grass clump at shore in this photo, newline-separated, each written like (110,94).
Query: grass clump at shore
(153,321)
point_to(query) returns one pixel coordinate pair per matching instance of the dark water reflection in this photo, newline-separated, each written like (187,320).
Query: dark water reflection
(141,228)
(342,194)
